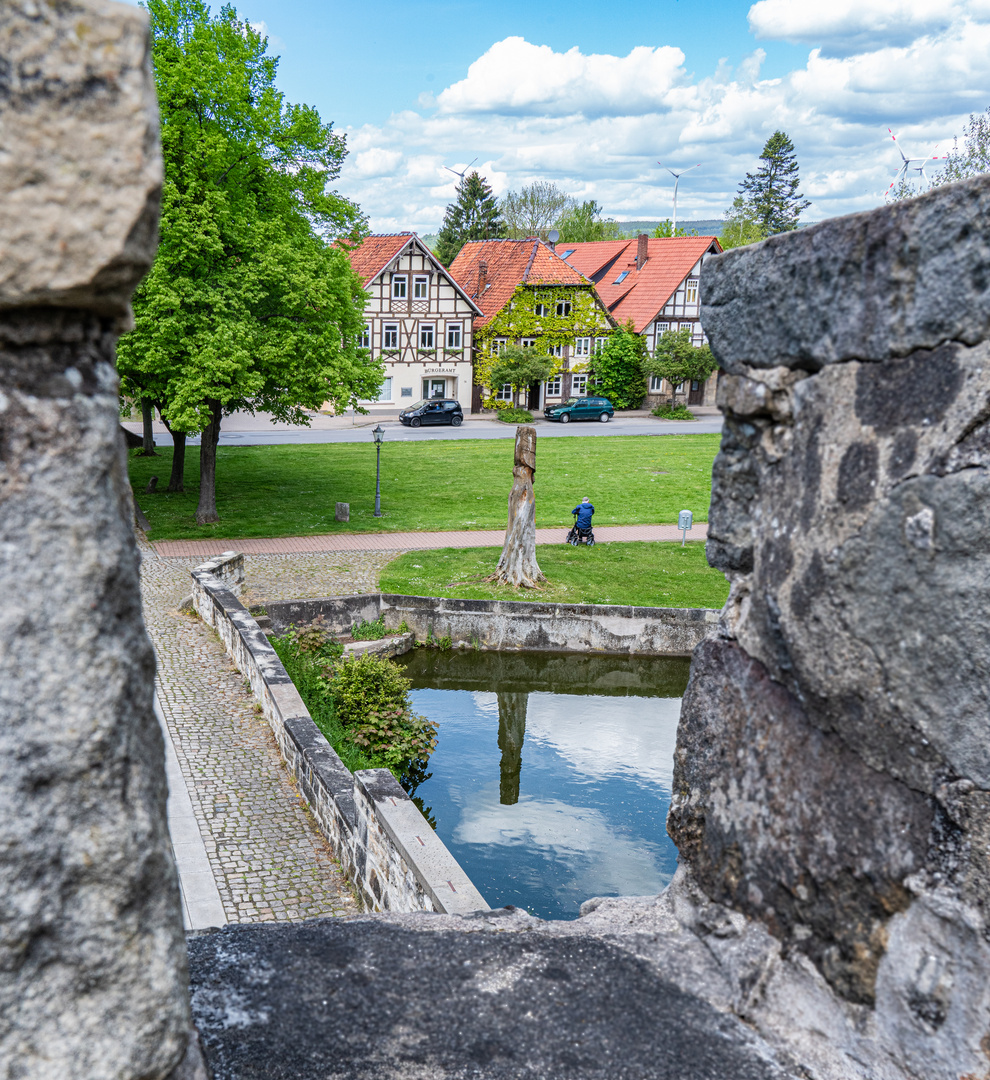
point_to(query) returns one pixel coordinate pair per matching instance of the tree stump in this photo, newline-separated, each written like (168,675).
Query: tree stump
(517,565)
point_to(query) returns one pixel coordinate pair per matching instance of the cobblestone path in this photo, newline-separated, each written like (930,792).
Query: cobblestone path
(268,857)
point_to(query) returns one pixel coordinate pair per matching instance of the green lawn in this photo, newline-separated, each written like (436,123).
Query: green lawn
(430,485)
(644,574)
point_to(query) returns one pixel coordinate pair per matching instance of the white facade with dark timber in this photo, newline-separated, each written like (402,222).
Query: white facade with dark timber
(419,321)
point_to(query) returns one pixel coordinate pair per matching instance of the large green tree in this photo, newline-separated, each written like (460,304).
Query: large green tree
(585,222)
(250,304)
(475,215)
(677,359)
(520,367)
(741,227)
(771,193)
(618,367)
(534,210)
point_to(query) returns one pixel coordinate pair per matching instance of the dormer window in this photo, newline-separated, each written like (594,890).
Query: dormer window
(400,284)
(421,287)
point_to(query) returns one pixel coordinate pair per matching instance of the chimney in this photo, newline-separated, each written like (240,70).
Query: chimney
(482,275)
(642,250)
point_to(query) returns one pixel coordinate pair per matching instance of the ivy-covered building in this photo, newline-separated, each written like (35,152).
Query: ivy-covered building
(652,283)
(529,296)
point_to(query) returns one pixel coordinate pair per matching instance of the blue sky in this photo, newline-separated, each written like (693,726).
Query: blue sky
(589,95)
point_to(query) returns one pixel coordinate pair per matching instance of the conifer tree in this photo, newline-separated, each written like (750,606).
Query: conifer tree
(474,216)
(771,193)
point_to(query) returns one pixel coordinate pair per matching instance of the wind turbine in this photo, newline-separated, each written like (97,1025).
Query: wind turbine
(909,164)
(677,176)
(460,174)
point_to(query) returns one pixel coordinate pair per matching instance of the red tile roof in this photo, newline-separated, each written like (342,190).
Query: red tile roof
(510,263)
(374,253)
(641,294)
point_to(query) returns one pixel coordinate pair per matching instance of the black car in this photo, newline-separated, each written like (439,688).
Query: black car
(433,411)
(581,408)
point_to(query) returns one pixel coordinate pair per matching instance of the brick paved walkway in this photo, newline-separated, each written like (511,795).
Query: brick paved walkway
(408,541)
(267,856)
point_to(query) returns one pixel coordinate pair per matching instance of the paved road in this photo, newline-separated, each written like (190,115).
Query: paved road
(241,433)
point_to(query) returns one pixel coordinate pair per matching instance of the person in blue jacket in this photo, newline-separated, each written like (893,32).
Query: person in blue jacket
(584,511)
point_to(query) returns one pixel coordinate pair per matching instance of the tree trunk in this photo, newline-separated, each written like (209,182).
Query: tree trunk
(175,481)
(511,732)
(206,512)
(148,417)
(518,566)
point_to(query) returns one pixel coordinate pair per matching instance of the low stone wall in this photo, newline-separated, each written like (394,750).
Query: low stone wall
(510,624)
(384,843)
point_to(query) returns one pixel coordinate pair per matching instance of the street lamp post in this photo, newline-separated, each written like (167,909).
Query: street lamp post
(379,434)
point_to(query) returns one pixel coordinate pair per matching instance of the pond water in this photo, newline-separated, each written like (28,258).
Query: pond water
(551,778)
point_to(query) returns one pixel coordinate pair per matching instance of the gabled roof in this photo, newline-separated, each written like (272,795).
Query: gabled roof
(372,256)
(509,263)
(642,294)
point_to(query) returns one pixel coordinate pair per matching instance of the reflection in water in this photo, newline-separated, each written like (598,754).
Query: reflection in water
(511,732)
(585,750)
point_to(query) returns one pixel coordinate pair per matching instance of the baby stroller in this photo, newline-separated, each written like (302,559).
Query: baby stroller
(578,536)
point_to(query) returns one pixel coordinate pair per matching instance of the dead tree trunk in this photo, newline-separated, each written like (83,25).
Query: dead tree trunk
(518,566)
(206,511)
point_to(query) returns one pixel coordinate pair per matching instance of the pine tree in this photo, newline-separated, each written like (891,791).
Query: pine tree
(475,216)
(771,193)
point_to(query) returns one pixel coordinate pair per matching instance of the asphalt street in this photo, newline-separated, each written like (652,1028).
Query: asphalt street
(257,435)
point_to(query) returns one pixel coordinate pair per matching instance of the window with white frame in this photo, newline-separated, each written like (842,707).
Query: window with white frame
(582,346)
(656,384)
(390,336)
(563,307)
(386,393)
(541,310)
(555,350)
(687,326)
(579,385)
(427,335)
(554,386)
(600,343)
(421,288)
(399,286)
(504,392)
(528,342)
(498,344)
(691,291)
(364,338)
(662,328)
(453,335)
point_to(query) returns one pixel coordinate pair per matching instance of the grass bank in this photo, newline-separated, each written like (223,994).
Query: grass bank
(643,574)
(429,485)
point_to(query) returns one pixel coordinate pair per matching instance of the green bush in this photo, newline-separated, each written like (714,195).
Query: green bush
(369,631)
(514,416)
(367,684)
(672,412)
(403,740)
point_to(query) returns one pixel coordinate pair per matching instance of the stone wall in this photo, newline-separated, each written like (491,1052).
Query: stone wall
(832,776)
(91,943)
(512,624)
(383,842)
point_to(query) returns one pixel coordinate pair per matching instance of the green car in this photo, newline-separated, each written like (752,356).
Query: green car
(581,408)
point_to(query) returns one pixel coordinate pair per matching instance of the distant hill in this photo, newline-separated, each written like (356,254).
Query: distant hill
(703,226)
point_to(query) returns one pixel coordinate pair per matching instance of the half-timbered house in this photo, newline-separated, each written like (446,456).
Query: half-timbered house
(654,283)
(528,296)
(419,321)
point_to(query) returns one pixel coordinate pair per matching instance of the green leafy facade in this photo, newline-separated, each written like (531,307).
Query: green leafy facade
(566,323)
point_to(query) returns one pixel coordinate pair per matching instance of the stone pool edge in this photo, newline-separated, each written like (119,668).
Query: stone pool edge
(384,844)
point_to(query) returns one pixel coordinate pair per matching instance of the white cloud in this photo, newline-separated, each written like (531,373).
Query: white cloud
(595,125)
